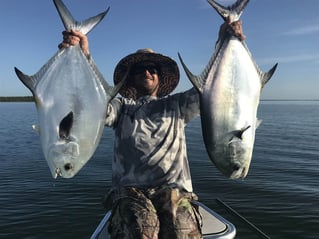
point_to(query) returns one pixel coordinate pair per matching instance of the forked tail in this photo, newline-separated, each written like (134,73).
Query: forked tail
(234,11)
(70,23)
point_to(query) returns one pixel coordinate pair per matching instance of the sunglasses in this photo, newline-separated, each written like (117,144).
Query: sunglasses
(141,69)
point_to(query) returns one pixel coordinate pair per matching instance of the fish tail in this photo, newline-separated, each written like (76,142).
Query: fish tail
(266,76)
(70,23)
(234,11)
(196,81)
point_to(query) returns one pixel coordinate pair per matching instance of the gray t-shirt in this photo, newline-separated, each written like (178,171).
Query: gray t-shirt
(150,147)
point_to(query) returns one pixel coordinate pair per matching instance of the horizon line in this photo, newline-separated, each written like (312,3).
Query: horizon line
(15,98)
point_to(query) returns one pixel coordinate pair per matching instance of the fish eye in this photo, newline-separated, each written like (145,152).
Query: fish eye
(68,166)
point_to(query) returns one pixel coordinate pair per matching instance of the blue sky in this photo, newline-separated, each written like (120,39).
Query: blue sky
(283,31)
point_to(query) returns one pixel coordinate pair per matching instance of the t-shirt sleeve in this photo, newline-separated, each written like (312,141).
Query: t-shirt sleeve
(113,112)
(189,104)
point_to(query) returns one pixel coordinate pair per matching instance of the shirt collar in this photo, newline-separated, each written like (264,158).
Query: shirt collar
(146,99)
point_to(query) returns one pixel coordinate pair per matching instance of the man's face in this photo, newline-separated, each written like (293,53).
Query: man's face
(145,79)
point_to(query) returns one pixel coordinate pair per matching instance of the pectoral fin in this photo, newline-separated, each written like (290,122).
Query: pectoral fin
(65,126)
(36,128)
(238,134)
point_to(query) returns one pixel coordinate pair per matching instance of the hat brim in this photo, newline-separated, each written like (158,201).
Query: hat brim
(167,67)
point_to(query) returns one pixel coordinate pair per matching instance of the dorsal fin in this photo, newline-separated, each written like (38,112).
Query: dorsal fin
(28,81)
(197,81)
(265,77)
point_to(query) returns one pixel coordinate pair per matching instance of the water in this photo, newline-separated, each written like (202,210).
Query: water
(280,195)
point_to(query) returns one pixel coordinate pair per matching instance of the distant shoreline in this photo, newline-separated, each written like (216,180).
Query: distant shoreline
(30,99)
(16,99)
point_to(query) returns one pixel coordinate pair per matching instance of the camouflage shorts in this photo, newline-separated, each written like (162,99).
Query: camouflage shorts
(164,213)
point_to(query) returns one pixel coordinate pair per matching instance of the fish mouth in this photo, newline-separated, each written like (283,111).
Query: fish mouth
(233,169)
(57,172)
(238,172)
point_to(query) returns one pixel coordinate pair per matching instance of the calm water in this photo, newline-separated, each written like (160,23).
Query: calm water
(280,195)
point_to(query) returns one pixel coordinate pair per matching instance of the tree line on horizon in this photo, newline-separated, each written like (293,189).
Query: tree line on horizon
(16,98)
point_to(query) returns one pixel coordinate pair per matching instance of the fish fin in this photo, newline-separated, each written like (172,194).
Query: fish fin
(29,81)
(65,126)
(109,90)
(265,77)
(234,11)
(70,23)
(119,85)
(36,128)
(258,123)
(197,81)
(239,133)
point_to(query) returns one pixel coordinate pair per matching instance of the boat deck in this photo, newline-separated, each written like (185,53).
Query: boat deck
(214,225)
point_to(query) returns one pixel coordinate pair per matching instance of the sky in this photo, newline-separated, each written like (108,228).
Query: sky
(278,31)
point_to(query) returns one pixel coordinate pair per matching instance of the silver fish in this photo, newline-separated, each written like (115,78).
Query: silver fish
(230,88)
(71,97)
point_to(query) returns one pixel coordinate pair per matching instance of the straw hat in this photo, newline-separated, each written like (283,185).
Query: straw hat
(167,67)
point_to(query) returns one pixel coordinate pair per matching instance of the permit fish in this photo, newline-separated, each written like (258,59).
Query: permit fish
(71,97)
(229,89)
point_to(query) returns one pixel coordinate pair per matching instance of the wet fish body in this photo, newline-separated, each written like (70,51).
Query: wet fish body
(230,88)
(71,97)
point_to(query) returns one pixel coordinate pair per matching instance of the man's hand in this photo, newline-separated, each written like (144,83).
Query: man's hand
(233,28)
(72,38)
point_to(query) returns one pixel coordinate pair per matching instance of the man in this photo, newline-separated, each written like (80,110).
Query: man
(152,190)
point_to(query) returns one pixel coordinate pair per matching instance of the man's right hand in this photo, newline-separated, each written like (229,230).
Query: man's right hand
(232,28)
(72,38)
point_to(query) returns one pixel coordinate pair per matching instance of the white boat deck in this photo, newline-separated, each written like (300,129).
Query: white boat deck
(214,225)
